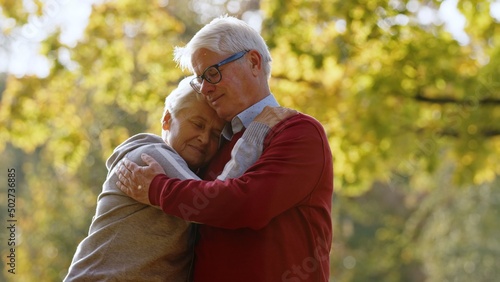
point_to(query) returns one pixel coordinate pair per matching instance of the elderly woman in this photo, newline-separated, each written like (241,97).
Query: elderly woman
(131,241)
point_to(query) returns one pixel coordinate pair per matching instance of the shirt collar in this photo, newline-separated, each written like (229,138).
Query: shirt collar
(243,119)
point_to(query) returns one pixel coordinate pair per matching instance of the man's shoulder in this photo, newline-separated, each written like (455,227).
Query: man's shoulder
(300,119)
(295,126)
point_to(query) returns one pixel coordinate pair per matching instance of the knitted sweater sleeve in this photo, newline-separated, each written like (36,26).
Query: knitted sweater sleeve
(246,151)
(291,168)
(244,154)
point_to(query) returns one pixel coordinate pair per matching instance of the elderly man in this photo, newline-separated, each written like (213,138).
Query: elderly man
(273,223)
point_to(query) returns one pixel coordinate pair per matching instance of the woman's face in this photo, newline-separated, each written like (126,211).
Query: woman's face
(193,133)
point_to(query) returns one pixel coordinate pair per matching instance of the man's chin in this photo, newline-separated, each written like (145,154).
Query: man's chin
(223,114)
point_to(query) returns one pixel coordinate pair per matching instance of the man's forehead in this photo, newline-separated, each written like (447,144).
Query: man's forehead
(203,58)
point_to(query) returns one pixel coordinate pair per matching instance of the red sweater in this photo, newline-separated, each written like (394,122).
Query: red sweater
(271,224)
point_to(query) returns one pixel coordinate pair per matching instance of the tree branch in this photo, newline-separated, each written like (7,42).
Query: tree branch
(484,101)
(485,133)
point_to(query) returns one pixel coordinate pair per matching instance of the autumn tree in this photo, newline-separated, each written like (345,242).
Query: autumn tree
(410,109)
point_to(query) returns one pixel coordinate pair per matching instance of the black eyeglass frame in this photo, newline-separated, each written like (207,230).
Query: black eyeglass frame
(197,81)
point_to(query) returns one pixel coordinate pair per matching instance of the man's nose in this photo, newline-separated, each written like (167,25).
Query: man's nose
(206,87)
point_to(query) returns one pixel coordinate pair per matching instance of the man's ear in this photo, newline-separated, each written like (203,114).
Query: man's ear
(256,61)
(165,122)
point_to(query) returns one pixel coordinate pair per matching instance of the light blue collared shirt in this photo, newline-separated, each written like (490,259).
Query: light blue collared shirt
(243,119)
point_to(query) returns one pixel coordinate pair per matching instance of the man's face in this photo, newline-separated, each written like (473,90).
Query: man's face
(231,95)
(194,133)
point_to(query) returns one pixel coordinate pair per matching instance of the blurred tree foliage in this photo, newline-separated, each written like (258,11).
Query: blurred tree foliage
(411,115)
(396,95)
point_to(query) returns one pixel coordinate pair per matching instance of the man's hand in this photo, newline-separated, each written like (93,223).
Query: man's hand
(271,116)
(134,180)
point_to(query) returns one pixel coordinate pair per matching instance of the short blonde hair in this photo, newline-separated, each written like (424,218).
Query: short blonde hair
(181,97)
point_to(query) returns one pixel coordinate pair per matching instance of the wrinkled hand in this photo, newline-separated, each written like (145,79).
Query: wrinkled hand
(271,116)
(134,180)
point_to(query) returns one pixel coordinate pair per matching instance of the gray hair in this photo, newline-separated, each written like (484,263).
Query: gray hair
(181,97)
(224,35)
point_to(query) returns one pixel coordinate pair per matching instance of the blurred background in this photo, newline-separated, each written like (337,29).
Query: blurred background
(407,90)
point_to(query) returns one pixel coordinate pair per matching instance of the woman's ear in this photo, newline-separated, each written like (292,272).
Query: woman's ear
(165,122)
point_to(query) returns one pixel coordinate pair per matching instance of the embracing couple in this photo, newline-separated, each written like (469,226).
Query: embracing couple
(236,188)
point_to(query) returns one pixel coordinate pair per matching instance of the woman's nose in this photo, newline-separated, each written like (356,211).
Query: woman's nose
(204,137)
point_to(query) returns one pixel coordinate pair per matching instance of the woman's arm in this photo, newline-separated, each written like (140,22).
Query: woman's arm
(134,180)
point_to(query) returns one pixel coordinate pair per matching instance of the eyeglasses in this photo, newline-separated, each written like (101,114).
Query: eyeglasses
(212,74)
